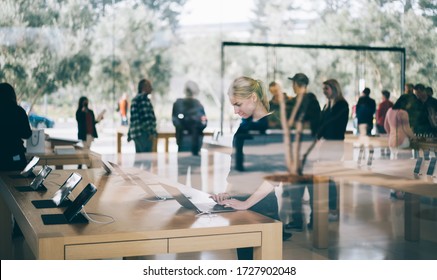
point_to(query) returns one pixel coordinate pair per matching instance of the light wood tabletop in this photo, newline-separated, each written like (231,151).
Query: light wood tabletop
(140,227)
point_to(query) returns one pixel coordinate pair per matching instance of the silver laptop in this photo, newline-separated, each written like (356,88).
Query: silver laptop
(200,208)
(107,166)
(152,194)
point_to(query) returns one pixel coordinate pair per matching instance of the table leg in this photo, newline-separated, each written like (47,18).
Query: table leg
(167,141)
(119,136)
(320,212)
(412,217)
(51,249)
(271,243)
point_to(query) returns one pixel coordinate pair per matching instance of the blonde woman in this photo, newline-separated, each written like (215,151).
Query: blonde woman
(250,102)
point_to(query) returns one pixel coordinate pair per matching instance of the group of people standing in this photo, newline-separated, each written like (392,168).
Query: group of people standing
(188,117)
(414,114)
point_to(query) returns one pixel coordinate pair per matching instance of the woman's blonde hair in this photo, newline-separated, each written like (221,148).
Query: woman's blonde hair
(244,87)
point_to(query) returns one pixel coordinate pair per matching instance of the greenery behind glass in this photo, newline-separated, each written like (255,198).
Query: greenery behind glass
(62,49)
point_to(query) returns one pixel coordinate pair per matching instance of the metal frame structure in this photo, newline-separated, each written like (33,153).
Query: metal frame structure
(304,46)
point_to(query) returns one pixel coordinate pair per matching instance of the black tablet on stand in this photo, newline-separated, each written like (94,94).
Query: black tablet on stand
(361,154)
(72,214)
(418,165)
(60,198)
(431,166)
(27,172)
(370,158)
(37,182)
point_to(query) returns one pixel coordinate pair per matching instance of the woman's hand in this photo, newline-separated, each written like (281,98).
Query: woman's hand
(219,198)
(235,204)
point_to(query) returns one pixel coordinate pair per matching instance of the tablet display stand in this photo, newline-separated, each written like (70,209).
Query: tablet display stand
(40,188)
(370,158)
(431,167)
(48,203)
(60,219)
(27,172)
(426,154)
(361,154)
(37,183)
(418,165)
(20,176)
(72,213)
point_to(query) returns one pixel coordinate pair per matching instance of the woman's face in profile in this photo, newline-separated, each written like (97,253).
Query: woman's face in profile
(327,91)
(244,107)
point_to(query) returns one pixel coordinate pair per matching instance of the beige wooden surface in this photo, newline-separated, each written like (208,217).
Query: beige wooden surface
(393,174)
(140,228)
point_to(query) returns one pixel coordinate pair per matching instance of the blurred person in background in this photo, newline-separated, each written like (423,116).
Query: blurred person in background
(15,127)
(382,111)
(142,127)
(189,117)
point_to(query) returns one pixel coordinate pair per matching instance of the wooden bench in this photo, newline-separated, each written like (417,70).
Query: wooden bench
(166,135)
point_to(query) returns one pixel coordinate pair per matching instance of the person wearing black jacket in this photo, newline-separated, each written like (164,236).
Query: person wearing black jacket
(188,116)
(14,124)
(15,127)
(86,123)
(366,108)
(332,128)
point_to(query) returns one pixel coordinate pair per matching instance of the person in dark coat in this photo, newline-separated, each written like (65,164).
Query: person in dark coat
(366,108)
(14,124)
(189,117)
(86,123)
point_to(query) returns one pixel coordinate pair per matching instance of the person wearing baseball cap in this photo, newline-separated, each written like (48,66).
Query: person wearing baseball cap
(300,79)
(306,111)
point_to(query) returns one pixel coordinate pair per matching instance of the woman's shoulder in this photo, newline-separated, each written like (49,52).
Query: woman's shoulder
(342,103)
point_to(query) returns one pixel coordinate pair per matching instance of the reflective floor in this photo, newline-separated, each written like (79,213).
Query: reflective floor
(370,224)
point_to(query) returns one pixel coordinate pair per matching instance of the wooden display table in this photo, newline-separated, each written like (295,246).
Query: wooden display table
(140,227)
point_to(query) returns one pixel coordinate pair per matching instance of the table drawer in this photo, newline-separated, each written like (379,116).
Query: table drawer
(214,242)
(116,249)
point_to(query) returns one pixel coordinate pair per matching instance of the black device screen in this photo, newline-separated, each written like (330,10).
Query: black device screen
(431,166)
(369,160)
(79,202)
(39,179)
(418,165)
(66,188)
